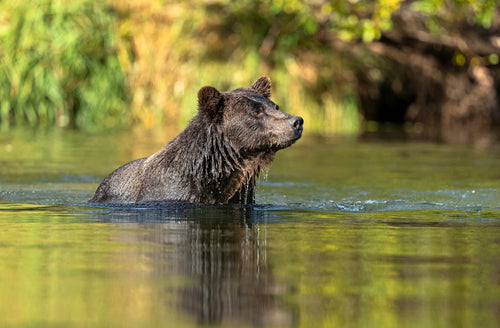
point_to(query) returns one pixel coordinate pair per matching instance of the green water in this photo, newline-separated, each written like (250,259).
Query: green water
(346,233)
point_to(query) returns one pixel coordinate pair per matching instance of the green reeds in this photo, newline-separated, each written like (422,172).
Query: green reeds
(59,64)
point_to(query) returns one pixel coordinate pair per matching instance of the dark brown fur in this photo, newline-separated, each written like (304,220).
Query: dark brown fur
(216,158)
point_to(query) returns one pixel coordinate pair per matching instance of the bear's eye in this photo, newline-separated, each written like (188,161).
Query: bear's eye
(257,112)
(277,107)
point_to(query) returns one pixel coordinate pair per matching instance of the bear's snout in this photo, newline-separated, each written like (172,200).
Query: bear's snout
(296,123)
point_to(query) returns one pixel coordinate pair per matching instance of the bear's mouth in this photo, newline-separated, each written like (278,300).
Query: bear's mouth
(286,143)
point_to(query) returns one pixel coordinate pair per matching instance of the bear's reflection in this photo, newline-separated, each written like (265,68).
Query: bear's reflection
(223,253)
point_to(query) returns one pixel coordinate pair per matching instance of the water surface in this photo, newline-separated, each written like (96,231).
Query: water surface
(346,233)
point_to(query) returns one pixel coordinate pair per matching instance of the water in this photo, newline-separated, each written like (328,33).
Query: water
(346,233)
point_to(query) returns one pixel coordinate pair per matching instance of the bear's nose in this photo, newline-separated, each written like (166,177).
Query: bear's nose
(296,123)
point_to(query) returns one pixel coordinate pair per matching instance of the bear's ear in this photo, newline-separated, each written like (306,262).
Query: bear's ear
(262,86)
(210,102)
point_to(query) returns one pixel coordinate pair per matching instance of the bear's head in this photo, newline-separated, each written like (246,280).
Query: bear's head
(249,119)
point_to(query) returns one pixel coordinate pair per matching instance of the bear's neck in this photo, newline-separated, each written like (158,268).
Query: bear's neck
(219,172)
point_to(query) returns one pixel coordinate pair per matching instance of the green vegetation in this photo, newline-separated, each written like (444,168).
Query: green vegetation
(59,64)
(92,64)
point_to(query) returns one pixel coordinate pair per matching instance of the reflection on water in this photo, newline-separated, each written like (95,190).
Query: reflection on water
(222,253)
(346,235)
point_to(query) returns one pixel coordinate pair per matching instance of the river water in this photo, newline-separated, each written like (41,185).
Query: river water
(345,233)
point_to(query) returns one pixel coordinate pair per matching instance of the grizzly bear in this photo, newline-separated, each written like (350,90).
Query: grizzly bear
(216,158)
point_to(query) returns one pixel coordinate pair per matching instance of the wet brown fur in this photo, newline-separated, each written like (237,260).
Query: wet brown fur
(216,158)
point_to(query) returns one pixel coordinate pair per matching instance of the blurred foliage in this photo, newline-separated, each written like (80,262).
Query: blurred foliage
(142,62)
(440,17)
(59,64)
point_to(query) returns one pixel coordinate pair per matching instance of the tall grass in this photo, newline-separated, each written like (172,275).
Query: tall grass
(180,46)
(96,65)
(59,64)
